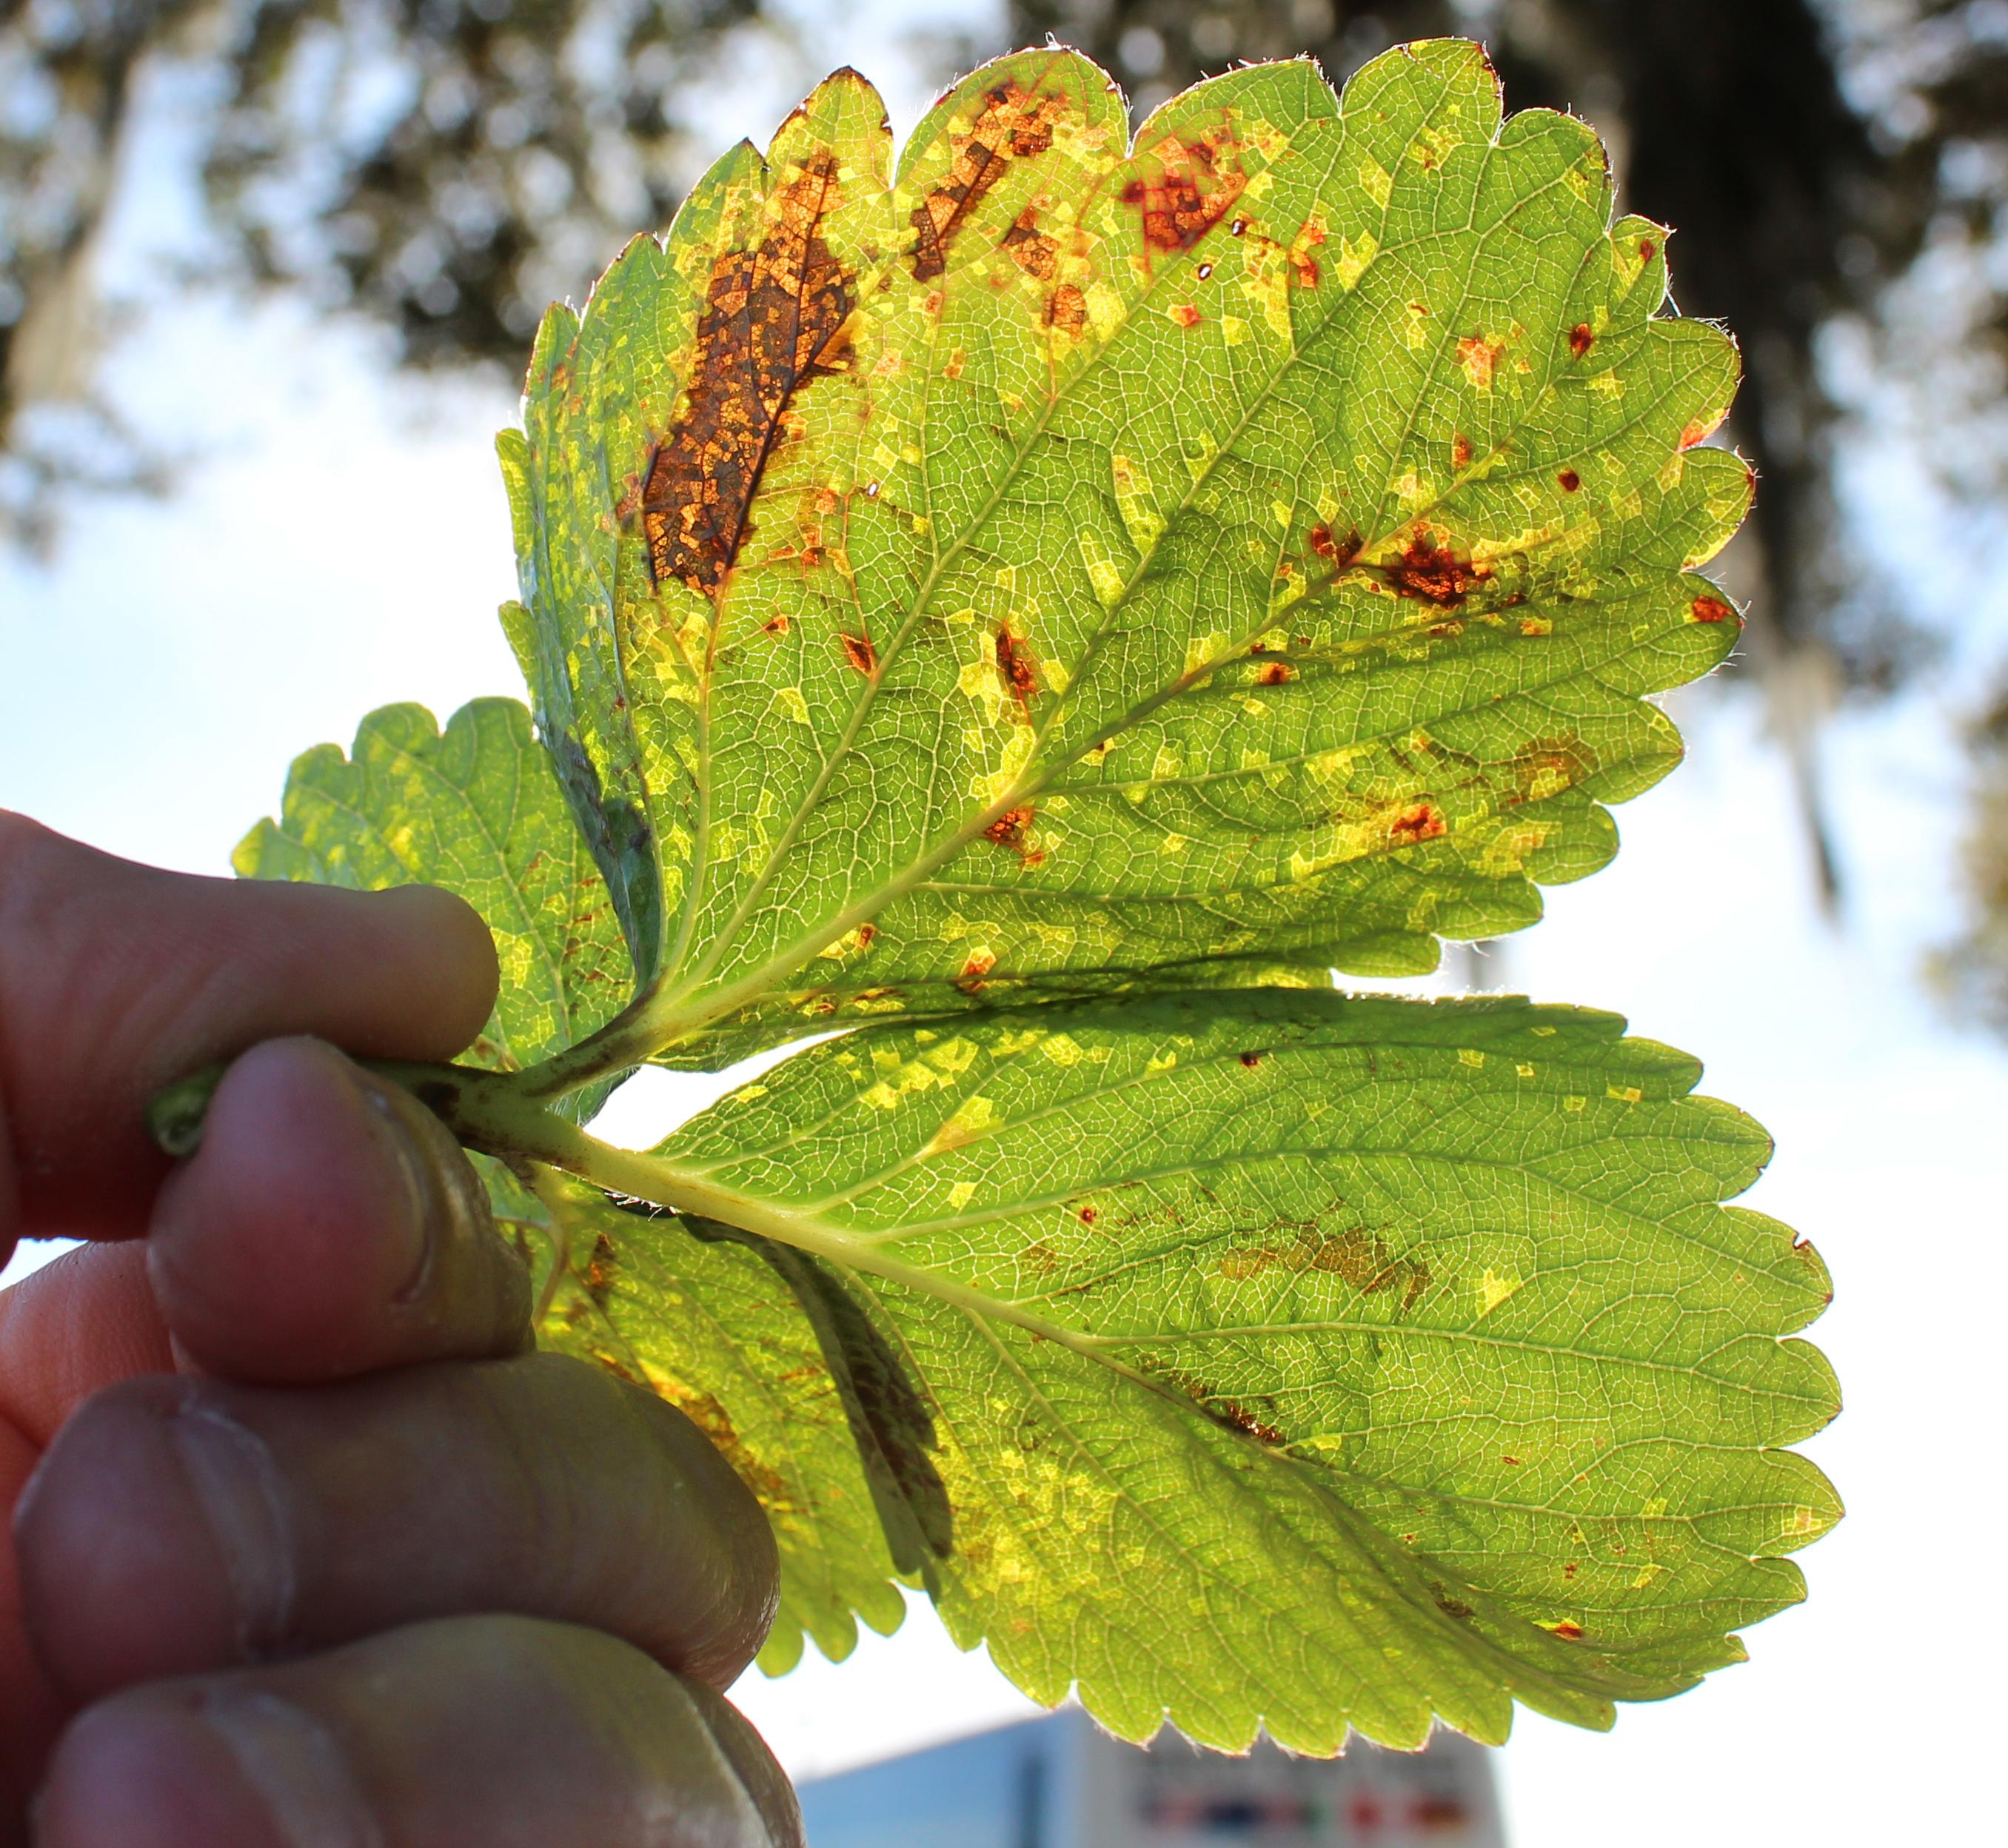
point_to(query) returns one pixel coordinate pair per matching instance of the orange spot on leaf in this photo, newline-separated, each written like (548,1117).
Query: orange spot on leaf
(1186,315)
(1424,821)
(1017,667)
(1183,188)
(1580,339)
(1066,310)
(1029,248)
(1014,124)
(1434,573)
(1479,357)
(1012,829)
(1710,609)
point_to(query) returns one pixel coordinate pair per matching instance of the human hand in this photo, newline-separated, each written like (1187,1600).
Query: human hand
(310,1549)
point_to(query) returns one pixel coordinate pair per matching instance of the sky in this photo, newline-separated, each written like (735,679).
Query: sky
(338,540)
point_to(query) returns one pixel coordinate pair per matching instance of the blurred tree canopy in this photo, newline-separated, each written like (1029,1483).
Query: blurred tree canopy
(447,167)
(1837,171)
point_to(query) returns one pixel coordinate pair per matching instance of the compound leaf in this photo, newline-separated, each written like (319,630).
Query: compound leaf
(1308,1360)
(1044,605)
(1056,566)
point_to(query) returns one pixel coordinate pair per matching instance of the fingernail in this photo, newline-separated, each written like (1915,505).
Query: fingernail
(428,1203)
(296,1765)
(200,1762)
(241,1495)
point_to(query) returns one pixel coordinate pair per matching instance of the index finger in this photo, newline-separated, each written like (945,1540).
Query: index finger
(116,979)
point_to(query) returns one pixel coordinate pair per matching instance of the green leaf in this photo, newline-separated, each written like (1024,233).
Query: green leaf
(1054,567)
(1311,1361)
(718,1329)
(1043,607)
(476,810)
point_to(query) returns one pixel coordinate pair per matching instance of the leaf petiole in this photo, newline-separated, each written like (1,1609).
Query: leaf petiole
(496,1114)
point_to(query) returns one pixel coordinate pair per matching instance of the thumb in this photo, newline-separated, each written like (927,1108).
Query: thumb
(117,978)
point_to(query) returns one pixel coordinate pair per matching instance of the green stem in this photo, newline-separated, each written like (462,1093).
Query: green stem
(494,1113)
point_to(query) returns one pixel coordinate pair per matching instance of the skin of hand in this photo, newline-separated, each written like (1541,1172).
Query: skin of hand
(310,1548)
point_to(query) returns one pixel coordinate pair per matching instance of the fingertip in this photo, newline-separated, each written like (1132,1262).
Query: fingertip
(329,1225)
(295,1221)
(753,1763)
(452,953)
(117,979)
(145,1771)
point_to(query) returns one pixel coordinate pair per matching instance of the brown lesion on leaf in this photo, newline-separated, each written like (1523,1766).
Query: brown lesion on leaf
(1017,668)
(1546,767)
(858,650)
(1581,338)
(1355,1256)
(775,317)
(1416,824)
(1237,1417)
(1274,673)
(1184,187)
(1029,248)
(1337,552)
(978,966)
(1014,124)
(1710,609)
(1066,311)
(1480,356)
(1450,1604)
(598,1274)
(1013,829)
(1432,570)
(1254,1420)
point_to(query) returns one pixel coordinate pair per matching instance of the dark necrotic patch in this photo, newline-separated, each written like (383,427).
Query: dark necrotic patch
(775,318)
